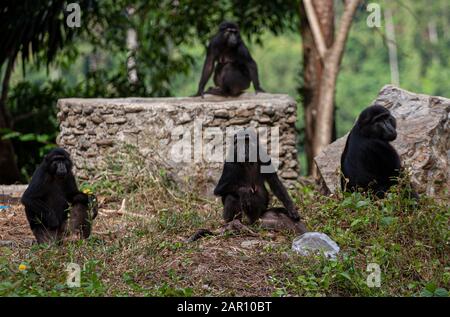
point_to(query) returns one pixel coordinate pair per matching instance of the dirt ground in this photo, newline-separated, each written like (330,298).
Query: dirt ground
(215,265)
(14,229)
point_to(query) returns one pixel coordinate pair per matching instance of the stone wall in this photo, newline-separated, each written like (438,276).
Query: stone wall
(93,129)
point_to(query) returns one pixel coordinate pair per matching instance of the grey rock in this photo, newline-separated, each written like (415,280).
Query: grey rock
(185,118)
(291,119)
(72,121)
(238,121)
(116,120)
(292,163)
(119,112)
(290,174)
(88,110)
(84,143)
(290,110)
(264,119)
(105,142)
(77,109)
(106,111)
(97,119)
(222,113)
(113,130)
(133,109)
(81,122)
(68,142)
(269,111)
(244,112)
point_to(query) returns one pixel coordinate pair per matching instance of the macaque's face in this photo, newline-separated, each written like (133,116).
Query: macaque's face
(58,166)
(378,123)
(230,34)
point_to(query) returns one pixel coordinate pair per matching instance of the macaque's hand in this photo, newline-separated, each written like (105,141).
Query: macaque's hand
(293,214)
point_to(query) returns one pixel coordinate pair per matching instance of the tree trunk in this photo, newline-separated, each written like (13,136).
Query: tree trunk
(392,47)
(132,45)
(131,60)
(9,172)
(331,58)
(313,68)
(332,61)
(432,32)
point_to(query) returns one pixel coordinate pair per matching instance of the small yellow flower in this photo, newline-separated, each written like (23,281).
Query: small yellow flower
(87,191)
(22,267)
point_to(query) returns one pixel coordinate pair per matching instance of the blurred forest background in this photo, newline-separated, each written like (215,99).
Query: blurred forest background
(164,41)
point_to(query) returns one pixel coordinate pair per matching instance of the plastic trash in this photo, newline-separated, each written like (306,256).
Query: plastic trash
(3,207)
(315,242)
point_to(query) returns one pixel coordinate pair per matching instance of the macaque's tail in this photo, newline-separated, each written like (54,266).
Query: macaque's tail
(200,234)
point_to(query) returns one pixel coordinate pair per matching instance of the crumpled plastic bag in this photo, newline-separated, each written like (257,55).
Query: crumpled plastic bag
(315,242)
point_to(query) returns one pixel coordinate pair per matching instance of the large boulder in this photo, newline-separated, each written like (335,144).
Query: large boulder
(423,141)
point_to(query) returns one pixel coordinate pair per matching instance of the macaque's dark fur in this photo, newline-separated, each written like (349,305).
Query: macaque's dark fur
(242,185)
(369,162)
(82,214)
(233,66)
(47,198)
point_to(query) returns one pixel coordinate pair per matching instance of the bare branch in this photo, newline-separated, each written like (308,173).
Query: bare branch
(315,28)
(344,28)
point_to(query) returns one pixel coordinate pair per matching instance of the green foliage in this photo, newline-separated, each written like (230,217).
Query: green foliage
(32,107)
(36,29)
(423,65)
(431,290)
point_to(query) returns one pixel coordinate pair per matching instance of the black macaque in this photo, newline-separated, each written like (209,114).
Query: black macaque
(83,212)
(243,191)
(242,184)
(47,199)
(234,67)
(369,162)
